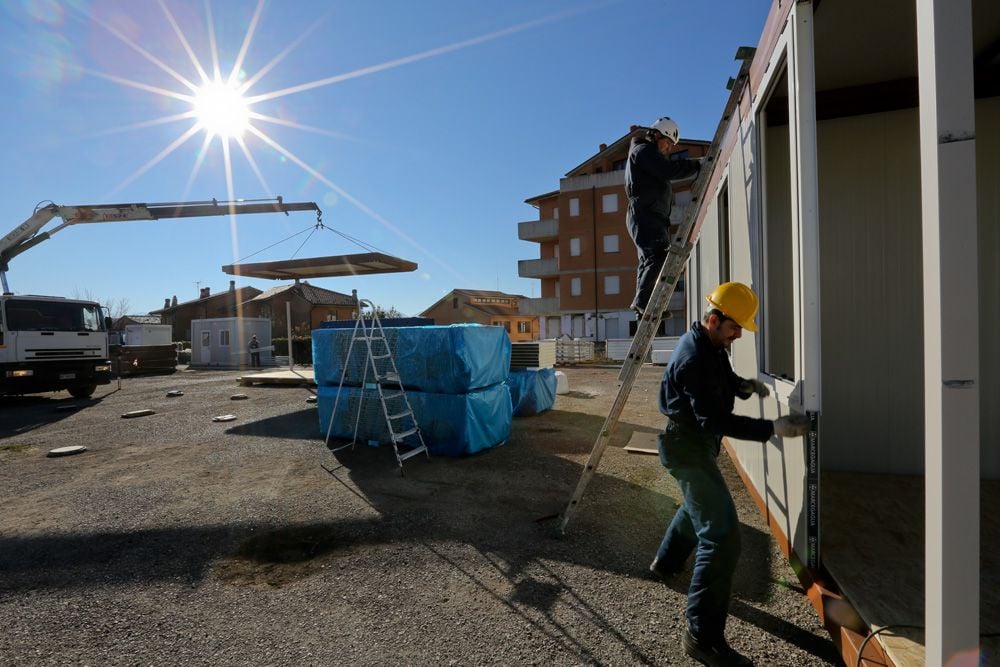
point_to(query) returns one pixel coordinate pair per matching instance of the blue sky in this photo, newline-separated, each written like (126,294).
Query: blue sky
(484,104)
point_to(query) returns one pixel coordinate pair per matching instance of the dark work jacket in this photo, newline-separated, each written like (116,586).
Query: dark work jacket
(699,390)
(647,187)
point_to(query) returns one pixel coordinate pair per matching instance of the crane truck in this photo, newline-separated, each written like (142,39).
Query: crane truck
(51,343)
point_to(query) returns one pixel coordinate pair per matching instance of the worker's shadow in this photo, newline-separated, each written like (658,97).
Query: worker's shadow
(21,414)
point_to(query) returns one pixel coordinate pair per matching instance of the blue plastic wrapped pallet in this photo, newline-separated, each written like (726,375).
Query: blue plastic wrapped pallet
(453,359)
(532,392)
(451,424)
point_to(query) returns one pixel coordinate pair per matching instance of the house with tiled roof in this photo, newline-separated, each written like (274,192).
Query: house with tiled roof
(484,307)
(207,306)
(310,306)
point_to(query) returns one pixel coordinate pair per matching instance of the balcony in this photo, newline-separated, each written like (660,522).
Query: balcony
(546,306)
(538,230)
(538,268)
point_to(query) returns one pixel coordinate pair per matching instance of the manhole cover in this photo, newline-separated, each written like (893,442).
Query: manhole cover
(175,392)
(224,418)
(138,413)
(67,451)
(311,399)
(238,397)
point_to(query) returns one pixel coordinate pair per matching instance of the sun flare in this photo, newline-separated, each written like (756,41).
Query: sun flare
(221,110)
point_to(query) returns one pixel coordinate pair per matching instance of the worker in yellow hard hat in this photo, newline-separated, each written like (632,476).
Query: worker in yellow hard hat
(697,394)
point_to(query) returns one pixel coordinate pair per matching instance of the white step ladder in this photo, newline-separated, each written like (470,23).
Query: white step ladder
(404,433)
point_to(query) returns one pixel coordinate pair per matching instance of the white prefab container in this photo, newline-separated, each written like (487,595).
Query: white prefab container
(147,334)
(223,341)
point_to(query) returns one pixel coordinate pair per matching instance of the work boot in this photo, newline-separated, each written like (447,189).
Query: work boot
(715,654)
(661,571)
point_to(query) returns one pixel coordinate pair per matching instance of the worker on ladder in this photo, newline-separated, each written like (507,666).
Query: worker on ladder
(697,395)
(650,194)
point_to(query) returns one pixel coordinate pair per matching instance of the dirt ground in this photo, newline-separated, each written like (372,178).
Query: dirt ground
(175,539)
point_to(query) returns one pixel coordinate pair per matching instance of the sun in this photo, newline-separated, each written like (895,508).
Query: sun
(221,110)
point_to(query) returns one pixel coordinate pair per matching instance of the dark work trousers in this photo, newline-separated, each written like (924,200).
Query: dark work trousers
(651,241)
(705,523)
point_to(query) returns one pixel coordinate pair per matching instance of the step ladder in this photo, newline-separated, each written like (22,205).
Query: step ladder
(681,246)
(401,424)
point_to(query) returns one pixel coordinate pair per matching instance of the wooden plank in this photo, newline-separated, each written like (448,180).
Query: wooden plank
(643,443)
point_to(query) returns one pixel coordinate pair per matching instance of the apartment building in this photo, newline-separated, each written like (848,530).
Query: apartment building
(587,262)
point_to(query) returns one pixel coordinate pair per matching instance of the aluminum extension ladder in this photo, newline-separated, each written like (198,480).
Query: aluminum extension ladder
(673,266)
(399,418)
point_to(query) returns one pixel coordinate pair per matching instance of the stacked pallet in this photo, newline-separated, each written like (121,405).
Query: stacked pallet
(533,354)
(453,377)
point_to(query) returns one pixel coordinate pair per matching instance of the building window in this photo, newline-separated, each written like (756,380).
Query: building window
(206,338)
(555,214)
(505,325)
(224,338)
(609,203)
(574,287)
(524,326)
(618,165)
(611,285)
(574,247)
(611,243)
(776,319)
(454,302)
(331,317)
(723,208)
(574,207)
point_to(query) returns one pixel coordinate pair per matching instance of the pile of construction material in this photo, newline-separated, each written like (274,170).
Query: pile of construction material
(453,377)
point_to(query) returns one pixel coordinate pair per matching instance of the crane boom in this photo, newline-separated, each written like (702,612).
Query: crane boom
(28,234)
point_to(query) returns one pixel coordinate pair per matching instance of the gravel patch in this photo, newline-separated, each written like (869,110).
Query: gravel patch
(176,540)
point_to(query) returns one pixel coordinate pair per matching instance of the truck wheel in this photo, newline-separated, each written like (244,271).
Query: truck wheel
(82,392)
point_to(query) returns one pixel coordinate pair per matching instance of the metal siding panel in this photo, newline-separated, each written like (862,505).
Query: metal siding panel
(871,293)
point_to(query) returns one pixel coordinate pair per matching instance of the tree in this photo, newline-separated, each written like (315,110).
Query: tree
(113,308)
(387,313)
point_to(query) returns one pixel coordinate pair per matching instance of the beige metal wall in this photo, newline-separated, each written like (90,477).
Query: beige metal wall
(871,300)
(871,296)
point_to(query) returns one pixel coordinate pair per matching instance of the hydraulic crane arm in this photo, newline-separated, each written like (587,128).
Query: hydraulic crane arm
(28,234)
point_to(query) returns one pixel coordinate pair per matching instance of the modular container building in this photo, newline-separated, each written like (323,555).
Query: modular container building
(223,341)
(858,192)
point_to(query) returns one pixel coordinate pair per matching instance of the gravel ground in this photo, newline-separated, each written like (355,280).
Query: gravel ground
(176,540)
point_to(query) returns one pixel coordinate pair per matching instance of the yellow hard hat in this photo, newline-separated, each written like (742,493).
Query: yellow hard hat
(737,302)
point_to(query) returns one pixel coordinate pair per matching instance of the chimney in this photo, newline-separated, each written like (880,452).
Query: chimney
(205,291)
(166,302)
(232,285)
(173,302)
(602,148)
(633,128)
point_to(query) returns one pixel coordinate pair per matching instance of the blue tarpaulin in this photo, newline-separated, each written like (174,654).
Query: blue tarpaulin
(451,424)
(532,392)
(438,359)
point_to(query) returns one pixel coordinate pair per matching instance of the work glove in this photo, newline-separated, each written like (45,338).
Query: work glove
(791,426)
(755,387)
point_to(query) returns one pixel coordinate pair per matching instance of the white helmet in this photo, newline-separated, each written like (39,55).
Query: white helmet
(667,128)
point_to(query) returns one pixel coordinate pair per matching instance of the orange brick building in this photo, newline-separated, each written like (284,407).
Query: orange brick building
(587,261)
(485,307)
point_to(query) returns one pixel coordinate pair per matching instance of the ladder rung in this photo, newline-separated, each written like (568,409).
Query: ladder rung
(381,356)
(411,453)
(400,415)
(389,377)
(399,436)
(391,395)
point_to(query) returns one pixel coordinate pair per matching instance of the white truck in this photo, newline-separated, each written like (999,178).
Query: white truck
(50,343)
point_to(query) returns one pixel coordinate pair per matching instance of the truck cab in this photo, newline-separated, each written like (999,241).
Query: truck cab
(50,344)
